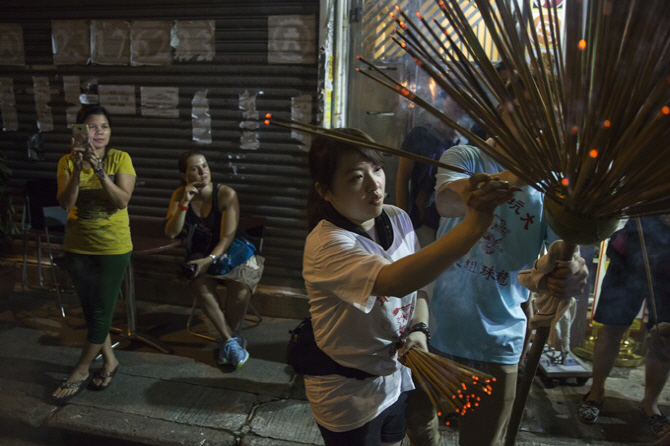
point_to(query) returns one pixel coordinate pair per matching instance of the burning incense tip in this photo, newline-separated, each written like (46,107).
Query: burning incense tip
(607,123)
(418,14)
(582,45)
(665,110)
(268,115)
(593,153)
(565,182)
(575,130)
(267,122)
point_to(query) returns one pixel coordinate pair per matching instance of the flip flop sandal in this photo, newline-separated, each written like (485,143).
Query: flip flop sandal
(102,376)
(659,424)
(588,410)
(79,385)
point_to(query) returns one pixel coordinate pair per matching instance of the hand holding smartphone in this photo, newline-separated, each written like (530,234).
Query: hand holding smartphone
(80,141)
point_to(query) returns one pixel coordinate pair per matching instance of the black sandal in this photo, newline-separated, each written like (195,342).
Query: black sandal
(588,410)
(659,424)
(102,376)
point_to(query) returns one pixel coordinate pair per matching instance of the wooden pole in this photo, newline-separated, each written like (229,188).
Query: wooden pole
(534,355)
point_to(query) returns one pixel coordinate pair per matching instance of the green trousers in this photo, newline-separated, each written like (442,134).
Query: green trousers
(97,280)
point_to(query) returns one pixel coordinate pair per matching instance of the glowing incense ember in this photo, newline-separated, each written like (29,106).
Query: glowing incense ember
(450,386)
(611,61)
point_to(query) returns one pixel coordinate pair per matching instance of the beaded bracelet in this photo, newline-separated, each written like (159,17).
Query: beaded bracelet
(422,327)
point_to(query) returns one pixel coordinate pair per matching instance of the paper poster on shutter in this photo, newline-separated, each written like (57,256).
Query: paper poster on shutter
(71,42)
(249,138)
(10,121)
(71,92)
(200,119)
(301,111)
(110,42)
(292,39)
(160,102)
(71,89)
(150,42)
(11,44)
(193,40)
(118,99)
(42,95)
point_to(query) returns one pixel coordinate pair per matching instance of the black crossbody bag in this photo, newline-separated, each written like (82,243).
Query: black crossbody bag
(302,353)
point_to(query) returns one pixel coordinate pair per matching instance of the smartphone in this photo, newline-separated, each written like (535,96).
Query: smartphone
(80,137)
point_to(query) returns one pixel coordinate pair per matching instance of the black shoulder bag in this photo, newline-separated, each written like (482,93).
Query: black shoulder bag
(307,358)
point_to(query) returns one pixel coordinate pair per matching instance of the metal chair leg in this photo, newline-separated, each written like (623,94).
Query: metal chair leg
(190,320)
(255,312)
(55,276)
(25,227)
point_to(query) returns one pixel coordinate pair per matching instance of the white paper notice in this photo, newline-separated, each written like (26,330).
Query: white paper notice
(110,42)
(71,42)
(301,111)
(118,99)
(292,39)
(71,89)
(161,102)
(200,118)
(10,121)
(11,44)
(150,42)
(193,39)
(42,94)
(71,114)
(249,138)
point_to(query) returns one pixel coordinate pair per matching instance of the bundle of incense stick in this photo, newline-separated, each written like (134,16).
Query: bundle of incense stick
(451,387)
(591,109)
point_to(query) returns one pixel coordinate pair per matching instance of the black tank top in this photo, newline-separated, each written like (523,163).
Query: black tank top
(203,233)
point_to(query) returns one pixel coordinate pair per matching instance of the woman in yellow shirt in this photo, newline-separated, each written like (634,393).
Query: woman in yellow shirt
(95,185)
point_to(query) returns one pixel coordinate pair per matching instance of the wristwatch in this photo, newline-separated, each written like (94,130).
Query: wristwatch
(422,327)
(213,257)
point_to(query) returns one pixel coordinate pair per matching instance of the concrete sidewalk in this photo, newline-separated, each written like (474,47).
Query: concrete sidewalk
(184,398)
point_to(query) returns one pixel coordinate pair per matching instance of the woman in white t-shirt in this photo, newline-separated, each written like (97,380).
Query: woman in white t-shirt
(364,272)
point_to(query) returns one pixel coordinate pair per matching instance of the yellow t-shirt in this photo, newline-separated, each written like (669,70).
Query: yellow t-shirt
(94,225)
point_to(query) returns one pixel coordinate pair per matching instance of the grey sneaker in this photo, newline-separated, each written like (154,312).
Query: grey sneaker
(235,353)
(241,340)
(222,355)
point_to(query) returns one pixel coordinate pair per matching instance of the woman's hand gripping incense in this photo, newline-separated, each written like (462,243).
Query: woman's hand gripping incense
(486,192)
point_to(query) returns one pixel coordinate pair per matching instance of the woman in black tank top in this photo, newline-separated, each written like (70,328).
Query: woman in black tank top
(207,215)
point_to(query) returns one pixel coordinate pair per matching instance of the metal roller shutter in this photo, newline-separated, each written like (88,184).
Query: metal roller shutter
(271,181)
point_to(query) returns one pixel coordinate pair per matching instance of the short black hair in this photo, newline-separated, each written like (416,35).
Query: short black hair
(92,109)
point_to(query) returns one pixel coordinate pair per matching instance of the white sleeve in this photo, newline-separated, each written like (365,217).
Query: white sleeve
(458,156)
(335,264)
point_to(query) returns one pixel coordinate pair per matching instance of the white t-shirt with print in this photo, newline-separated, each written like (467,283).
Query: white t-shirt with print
(353,327)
